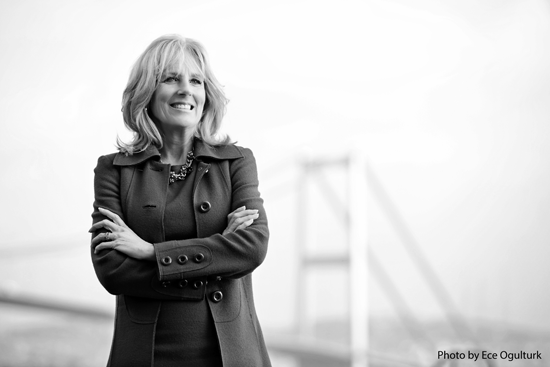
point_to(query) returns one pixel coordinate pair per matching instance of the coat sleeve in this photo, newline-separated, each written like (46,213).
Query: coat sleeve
(117,272)
(233,255)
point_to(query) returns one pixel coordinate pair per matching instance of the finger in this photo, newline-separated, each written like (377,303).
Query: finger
(102,237)
(104,246)
(245,224)
(105,223)
(231,226)
(235,222)
(246,218)
(112,216)
(245,213)
(236,211)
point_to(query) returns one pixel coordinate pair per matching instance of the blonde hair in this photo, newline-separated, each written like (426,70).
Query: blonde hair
(162,54)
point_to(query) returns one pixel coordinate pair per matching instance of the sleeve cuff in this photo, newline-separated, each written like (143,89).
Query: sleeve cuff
(175,261)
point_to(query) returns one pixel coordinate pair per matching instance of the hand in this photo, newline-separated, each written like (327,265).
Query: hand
(120,238)
(240,218)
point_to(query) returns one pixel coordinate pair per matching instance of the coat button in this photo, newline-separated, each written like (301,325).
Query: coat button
(205,206)
(199,257)
(182,259)
(198,284)
(217,296)
(167,260)
(182,283)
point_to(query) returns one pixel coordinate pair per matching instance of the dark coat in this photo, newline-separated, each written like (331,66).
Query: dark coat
(134,187)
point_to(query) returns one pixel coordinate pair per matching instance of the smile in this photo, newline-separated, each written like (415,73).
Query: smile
(182,106)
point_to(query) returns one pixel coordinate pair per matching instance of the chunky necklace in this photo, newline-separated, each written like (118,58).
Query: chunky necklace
(185,169)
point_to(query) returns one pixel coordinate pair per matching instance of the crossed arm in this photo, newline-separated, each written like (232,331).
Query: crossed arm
(127,264)
(118,236)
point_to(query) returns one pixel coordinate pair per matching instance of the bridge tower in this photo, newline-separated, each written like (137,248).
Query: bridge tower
(353,253)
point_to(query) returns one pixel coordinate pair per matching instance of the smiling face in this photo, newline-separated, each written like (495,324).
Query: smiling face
(179,99)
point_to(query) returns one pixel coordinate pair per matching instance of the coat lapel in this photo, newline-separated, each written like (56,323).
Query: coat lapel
(146,199)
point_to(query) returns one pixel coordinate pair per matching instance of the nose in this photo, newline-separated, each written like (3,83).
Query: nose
(184,87)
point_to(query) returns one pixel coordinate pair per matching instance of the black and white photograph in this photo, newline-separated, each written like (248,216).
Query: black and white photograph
(354,183)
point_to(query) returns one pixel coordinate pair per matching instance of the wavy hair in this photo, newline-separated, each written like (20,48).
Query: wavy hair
(163,54)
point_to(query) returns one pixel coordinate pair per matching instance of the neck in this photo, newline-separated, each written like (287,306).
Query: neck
(176,147)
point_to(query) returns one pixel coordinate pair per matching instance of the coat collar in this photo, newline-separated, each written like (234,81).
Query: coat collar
(202,150)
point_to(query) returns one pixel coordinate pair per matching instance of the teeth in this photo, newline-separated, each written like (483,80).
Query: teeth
(182,106)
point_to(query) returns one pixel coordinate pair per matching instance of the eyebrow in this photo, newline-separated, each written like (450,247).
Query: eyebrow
(175,73)
(171,73)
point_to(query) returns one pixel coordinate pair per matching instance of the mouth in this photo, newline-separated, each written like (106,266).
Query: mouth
(182,106)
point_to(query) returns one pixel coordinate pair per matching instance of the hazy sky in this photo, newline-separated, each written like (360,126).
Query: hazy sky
(449,101)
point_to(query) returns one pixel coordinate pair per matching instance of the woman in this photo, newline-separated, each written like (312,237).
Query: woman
(178,222)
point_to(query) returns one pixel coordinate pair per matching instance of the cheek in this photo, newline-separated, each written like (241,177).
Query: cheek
(157,113)
(159,98)
(203,101)
(158,105)
(155,109)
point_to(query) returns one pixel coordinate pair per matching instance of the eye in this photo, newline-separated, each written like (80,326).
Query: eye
(196,81)
(171,79)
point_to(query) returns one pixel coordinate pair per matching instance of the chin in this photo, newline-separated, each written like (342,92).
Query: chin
(183,124)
